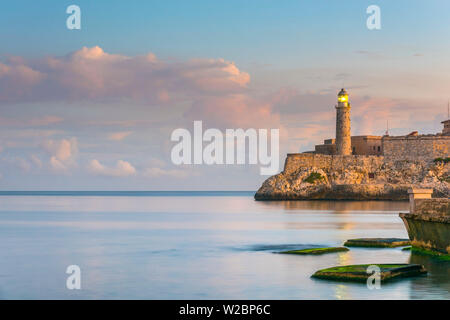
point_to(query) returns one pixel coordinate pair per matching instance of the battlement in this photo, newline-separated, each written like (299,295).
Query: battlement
(416,147)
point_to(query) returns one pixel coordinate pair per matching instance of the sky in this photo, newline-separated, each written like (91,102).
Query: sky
(94,109)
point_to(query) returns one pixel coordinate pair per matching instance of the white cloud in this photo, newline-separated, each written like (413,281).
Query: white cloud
(57,165)
(62,153)
(122,169)
(63,149)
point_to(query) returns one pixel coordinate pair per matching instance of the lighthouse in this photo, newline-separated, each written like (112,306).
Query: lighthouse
(343,135)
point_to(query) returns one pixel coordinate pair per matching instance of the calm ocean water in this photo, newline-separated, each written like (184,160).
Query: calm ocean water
(187,245)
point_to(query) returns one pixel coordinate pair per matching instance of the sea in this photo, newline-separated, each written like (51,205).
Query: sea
(196,245)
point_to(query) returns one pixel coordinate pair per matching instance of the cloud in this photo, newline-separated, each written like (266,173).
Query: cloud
(45,121)
(122,169)
(234,111)
(34,122)
(57,164)
(118,136)
(18,80)
(63,149)
(62,153)
(91,73)
(213,90)
(210,89)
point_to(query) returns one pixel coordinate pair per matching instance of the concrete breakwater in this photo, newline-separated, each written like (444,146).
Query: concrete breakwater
(308,176)
(428,222)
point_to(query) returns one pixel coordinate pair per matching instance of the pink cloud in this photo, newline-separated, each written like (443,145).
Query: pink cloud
(34,122)
(91,73)
(119,136)
(234,110)
(62,153)
(122,169)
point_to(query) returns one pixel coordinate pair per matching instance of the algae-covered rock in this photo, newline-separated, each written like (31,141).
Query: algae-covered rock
(359,273)
(377,242)
(315,251)
(434,254)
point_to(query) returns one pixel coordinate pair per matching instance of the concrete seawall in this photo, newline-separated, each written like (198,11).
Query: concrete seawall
(428,222)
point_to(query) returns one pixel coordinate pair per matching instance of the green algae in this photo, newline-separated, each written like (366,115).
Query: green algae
(358,273)
(377,242)
(434,254)
(316,250)
(441,160)
(313,177)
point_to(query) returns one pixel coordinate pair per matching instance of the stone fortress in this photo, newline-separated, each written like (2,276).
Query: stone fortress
(363,167)
(411,146)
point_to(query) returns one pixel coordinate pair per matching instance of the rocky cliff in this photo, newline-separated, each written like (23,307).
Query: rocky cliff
(313,176)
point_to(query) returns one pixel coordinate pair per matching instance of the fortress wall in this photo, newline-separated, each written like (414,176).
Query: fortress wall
(417,147)
(331,162)
(295,160)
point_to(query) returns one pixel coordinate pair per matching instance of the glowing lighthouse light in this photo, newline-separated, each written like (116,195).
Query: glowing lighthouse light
(343,96)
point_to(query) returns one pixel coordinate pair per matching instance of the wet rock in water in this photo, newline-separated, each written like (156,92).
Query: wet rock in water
(406,249)
(359,273)
(377,242)
(316,250)
(434,254)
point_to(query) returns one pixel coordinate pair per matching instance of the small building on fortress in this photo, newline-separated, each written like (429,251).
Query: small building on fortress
(411,146)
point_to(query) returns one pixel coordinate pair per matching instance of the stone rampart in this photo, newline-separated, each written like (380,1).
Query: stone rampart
(423,147)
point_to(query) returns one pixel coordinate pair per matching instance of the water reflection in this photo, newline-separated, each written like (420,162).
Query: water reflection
(437,282)
(342,292)
(339,206)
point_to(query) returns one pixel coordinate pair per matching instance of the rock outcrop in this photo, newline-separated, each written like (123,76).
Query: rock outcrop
(330,177)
